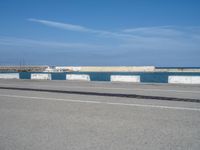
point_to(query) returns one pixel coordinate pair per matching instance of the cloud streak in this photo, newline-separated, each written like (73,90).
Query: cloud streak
(155,31)
(11,41)
(130,34)
(145,39)
(64,26)
(79,28)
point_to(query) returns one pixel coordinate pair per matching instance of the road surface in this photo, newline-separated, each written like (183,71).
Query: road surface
(79,120)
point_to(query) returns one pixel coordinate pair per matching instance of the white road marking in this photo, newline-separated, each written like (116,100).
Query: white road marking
(105,103)
(110,88)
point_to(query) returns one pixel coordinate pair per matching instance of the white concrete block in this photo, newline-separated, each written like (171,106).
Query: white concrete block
(81,77)
(124,78)
(40,76)
(9,75)
(184,79)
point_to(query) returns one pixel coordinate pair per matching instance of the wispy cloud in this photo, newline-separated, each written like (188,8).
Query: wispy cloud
(155,31)
(60,25)
(130,34)
(168,44)
(67,26)
(159,38)
(11,41)
(79,28)
(170,38)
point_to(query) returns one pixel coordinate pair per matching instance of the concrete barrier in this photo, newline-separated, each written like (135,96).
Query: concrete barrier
(123,78)
(40,76)
(80,77)
(184,79)
(9,75)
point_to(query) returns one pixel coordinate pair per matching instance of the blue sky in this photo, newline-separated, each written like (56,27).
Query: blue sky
(100,32)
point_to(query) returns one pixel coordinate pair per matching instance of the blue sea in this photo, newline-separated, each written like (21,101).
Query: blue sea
(148,77)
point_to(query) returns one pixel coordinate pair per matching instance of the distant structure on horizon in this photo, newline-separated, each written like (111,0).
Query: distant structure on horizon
(100,69)
(47,68)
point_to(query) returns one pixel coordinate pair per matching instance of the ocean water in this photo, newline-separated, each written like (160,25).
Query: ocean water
(148,77)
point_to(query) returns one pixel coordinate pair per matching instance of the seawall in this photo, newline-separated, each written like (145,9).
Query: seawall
(108,68)
(123,69)
(94,69)
(177,70)
(23,68)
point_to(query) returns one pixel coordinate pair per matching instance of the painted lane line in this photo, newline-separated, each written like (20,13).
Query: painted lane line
(105,103)
(110,88)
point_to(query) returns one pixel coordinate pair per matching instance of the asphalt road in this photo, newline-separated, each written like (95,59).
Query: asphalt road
(32,120)
(163,90)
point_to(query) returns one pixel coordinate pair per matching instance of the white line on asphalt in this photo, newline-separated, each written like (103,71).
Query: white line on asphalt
(100,102)
(110,88)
